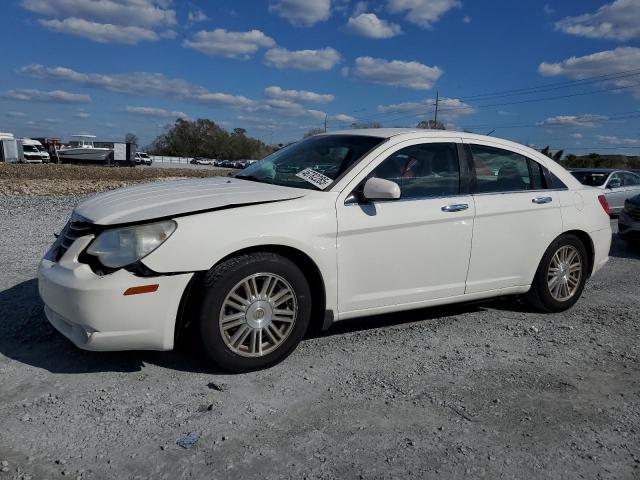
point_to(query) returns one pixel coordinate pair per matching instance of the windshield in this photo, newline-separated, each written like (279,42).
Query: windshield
(592,179)
(313,163)
(30,148)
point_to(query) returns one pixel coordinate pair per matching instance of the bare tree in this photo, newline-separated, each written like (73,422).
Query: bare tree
(313,131)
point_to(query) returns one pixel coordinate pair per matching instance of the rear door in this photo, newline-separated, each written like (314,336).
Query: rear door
(517,217)
(409,251)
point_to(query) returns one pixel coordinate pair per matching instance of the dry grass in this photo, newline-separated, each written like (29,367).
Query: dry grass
(51,179)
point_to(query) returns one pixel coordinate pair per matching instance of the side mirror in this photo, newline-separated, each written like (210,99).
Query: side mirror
(614,184)
(381,189)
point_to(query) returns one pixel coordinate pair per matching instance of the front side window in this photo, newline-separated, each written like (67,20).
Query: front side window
(313,163)
(425,170)
(499,170)
(615,181)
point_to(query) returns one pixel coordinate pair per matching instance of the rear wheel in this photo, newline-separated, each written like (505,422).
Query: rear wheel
(561,275)
(255,311)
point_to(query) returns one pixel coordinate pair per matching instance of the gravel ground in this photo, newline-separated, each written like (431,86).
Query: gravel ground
(487,390)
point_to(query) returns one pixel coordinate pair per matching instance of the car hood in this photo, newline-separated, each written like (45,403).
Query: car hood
(178,198)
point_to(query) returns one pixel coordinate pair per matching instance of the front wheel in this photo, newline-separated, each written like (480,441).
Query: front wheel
(256,309)
(561,275)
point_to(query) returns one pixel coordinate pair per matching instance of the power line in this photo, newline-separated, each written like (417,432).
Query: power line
(519,102)
(537,89)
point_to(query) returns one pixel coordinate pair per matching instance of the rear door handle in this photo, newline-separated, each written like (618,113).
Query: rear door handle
(455,207)
(540,200)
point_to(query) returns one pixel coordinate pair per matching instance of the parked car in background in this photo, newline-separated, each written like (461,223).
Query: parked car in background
(201,161)
(396,219)
(226,164)
(33,151)
(239,164)
(143,158)
(629,221)
(617,185)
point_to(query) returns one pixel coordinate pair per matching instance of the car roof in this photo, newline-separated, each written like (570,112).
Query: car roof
(410,133)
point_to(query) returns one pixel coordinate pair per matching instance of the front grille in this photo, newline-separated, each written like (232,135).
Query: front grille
(632,211)
(70,233)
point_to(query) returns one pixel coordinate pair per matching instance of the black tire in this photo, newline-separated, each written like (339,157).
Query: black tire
(219,282)
(540,295)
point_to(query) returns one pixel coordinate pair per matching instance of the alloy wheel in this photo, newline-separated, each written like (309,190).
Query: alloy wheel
(258,314)
(564,273)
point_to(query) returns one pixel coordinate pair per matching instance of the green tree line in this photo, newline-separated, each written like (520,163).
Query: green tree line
(204,138)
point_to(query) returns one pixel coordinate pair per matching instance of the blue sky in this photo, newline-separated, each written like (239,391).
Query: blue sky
(278,67)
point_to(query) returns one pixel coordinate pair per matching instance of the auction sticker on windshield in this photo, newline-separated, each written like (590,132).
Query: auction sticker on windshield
(315,178)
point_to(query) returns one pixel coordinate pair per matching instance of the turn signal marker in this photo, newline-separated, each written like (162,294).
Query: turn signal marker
(141,289)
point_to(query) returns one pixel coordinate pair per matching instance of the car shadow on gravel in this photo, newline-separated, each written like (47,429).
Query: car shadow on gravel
(26,336)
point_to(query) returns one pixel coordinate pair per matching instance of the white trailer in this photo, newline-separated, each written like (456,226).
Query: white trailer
(10,149)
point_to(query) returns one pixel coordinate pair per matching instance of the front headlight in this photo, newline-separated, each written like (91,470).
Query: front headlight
(123,246)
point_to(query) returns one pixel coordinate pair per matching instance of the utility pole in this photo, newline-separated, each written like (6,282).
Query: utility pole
(325,123)
(435,116)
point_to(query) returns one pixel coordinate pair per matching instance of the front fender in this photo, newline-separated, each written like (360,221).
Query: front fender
(202,240)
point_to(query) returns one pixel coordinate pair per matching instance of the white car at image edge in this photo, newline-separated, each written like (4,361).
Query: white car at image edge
(340,225)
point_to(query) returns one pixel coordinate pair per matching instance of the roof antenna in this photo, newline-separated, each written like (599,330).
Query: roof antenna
(488,134)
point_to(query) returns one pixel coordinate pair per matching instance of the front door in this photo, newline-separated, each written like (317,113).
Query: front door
(396,253)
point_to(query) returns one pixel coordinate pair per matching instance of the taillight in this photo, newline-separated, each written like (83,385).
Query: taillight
(605,205)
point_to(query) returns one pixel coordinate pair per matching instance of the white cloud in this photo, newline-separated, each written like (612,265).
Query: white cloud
(229,44)
(447,107)
(610,61)
(617,21)
(138,83)
(370,26)
(615,140)
(342,118)
(99,32)
(396,73)
(81,114)
(112,21)
(197,16)
(305,60)
(15,114)
(577,135)
(586,120)
(423,12)
(548,9)
(466,19)
(54,96)
(156,112)
(302,12)
(299,96)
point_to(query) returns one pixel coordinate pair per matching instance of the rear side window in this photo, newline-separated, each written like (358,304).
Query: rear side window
(499,170)
(424,170)
(537,175)
(631,179)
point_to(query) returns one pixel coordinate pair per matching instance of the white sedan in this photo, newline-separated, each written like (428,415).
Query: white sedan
(337,226)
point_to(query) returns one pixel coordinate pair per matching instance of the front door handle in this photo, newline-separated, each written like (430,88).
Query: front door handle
(541,200)
(455,207)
